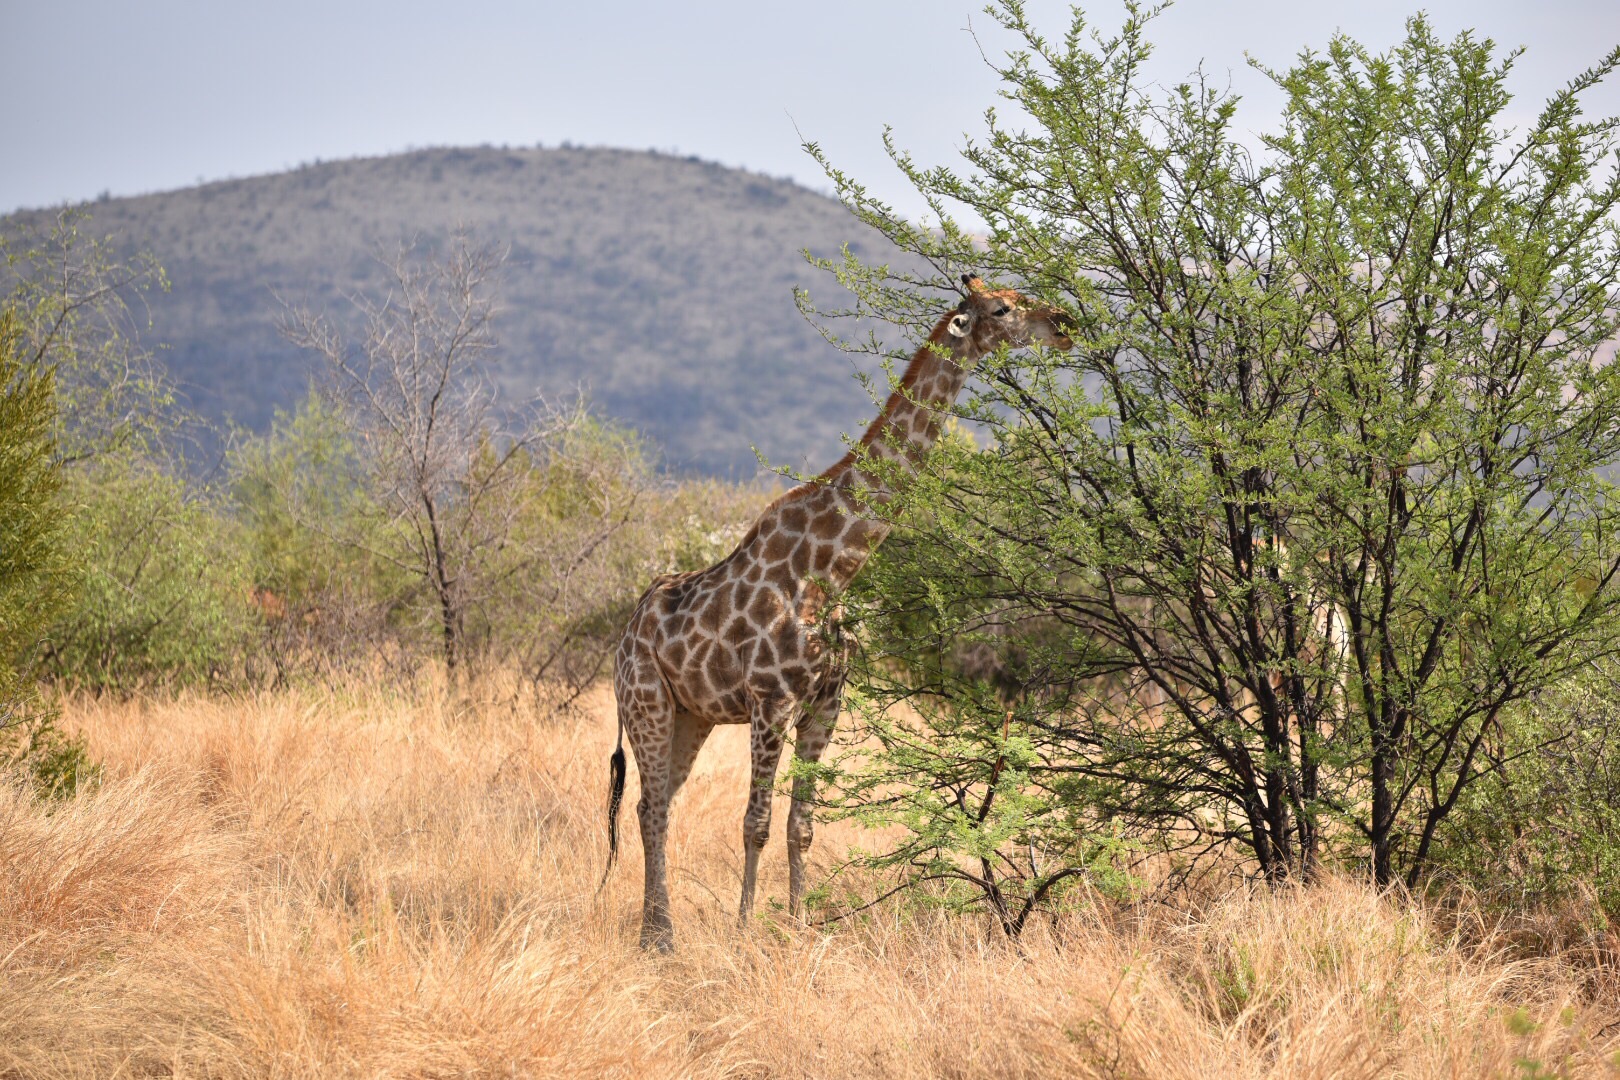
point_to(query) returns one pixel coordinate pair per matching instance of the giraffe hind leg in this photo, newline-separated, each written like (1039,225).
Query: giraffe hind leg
(648,715)
(691,732)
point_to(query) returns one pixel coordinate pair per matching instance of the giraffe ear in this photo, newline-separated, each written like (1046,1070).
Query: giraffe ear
(959,325)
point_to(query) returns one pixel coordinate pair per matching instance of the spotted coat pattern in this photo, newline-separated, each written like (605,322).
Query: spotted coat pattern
(756,640)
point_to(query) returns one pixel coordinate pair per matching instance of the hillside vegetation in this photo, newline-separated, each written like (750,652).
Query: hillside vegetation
(661,285)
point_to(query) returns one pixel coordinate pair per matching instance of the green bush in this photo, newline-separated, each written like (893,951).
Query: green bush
(153,569)
(298,492)
(1543,826)
(163,590)
(549,561)
(35,574)
(326,596)
(33,568)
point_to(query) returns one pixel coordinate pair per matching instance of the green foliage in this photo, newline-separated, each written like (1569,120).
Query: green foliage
(56,765)
(158,592)
(297,490)
(1543,824)
(163,590)
(585,523)
(566,536)
(518,534)
(699,522)
(70,292)
(324,599)
(1317,496)
(986,823)
(34,570)
(555,595)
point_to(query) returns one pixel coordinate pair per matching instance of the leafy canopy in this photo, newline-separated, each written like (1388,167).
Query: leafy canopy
(1321,488)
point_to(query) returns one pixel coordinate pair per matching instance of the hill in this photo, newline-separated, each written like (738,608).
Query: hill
(660,285)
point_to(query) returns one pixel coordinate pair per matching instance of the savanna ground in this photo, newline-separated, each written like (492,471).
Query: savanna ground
(377,883)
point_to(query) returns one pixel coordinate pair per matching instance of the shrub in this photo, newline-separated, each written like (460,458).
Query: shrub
(163,591)
(548,563)
(35,572)
(323,592)
(32,564)
(512,531)
(1543,825)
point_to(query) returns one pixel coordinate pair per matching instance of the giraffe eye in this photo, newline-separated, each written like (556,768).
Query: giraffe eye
(1000,311)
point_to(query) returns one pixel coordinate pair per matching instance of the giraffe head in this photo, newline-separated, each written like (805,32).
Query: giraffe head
(987,319)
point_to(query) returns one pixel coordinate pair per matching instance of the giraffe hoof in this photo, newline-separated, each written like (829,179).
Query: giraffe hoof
(658,939)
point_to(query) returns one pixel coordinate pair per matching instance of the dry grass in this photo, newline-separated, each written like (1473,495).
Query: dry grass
(369,885)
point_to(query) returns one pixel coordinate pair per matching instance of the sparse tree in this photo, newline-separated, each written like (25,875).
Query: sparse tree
(71,295)
(459,479)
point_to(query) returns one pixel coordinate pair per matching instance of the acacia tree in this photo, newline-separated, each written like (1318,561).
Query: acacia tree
(1320,489)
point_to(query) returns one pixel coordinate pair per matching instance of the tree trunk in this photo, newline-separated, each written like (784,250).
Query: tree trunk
(441,587)
(1382,833)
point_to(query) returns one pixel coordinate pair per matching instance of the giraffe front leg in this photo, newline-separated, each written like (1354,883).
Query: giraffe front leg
(765,750)
(815,732)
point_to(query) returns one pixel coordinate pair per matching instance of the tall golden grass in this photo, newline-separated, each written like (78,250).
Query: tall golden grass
(375,883)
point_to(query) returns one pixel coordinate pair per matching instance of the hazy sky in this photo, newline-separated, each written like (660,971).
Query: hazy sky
(133,97)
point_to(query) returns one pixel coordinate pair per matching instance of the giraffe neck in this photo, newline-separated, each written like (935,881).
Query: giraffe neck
(835,506)
(908,425)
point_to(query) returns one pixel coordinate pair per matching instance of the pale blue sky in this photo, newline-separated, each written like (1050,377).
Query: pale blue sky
(135,97)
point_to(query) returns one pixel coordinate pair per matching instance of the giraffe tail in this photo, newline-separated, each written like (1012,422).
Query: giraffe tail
(615,799)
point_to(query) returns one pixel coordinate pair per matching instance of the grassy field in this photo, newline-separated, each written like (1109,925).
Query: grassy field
(375,883)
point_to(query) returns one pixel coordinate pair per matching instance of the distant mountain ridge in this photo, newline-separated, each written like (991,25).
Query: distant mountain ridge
(661,285)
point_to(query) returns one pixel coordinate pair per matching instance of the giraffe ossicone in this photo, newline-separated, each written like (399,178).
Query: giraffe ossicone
(755,638)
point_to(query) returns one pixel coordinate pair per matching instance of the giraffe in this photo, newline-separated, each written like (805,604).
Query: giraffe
(755,639)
